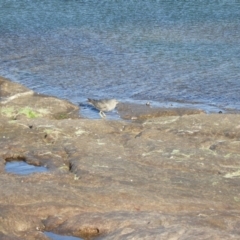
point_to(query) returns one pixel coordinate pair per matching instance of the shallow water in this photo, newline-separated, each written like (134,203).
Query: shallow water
(184,53)
(54,236)
(23,168)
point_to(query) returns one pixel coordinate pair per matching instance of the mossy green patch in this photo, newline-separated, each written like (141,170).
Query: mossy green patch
(12,112)
(29,113)
(8,111)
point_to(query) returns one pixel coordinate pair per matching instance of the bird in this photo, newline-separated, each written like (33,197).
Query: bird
(148,104)
(103,105)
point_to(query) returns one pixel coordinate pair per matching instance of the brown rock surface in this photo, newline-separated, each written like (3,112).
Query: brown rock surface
(18,101)
(130,111)
(172,177)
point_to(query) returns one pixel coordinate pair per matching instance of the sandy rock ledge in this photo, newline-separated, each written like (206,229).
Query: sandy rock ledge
(168,177)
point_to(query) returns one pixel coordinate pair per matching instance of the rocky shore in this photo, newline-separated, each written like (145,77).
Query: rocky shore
(160,174)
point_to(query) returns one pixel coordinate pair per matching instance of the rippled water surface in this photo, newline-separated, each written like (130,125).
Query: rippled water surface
(179,52)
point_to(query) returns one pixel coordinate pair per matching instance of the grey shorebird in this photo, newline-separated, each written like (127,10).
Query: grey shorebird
(103,105)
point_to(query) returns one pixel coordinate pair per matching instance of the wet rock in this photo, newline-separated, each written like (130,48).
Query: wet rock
(18,102)
(170,177)
(132,111)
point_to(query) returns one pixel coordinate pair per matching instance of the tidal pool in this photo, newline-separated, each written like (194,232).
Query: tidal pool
(23,168)
(54,236)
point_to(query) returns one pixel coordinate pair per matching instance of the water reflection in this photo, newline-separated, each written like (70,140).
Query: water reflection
(54,236)
(23,168)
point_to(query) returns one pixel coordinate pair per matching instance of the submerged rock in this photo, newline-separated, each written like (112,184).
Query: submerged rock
(170,177)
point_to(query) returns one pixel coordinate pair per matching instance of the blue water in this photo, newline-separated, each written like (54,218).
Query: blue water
(184,53)
(54,236)
(22,168)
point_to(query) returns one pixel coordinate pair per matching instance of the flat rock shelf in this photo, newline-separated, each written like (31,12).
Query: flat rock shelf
(152,176)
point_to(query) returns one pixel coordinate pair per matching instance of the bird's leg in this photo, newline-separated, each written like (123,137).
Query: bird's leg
(102,114)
